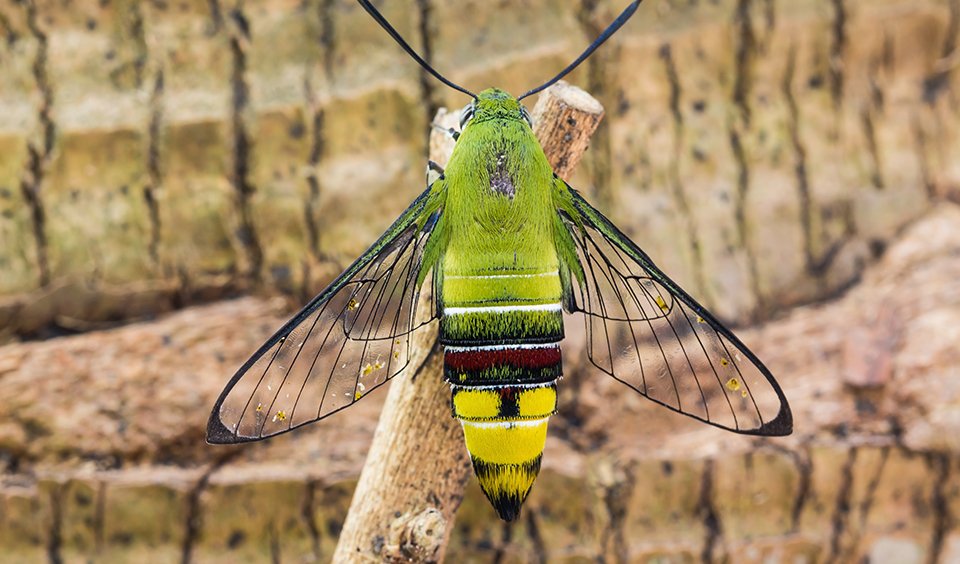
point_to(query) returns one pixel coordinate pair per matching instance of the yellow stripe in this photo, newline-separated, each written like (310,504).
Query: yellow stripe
(507,290)
(537,402)
(505,444)
(476,404)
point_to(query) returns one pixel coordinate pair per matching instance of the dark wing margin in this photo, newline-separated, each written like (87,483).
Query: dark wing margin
(647,332)
(350,339)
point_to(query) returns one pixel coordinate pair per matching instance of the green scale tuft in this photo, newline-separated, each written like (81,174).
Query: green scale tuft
(492,327)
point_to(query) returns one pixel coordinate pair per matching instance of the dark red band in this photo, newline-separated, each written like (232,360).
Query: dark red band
(478,359)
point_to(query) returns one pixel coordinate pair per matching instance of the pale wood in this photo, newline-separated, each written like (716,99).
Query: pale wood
(413,481)
(564,119)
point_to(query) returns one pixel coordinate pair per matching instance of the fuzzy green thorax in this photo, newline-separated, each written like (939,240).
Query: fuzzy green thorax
(498,212)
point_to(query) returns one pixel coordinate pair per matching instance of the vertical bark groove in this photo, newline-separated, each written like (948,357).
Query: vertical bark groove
(942,517)
(803,463)
(746,44)
(838,47)
(141,54)
(921,142)
(311,208)
(676,185)
(770,22)
(506,536)
(307,509)
(740,216)
(599,80)
(311,205)
(55,538)
(870,495)
(193,521)
(99,518)
(242,145)
(39,152)
(708,513)
(743,81)
(873,149)
(428,91)
(616,498)
(841,510)
(938,81)
(6,30)
(216,16)
(154,173)
(816,264)
(540,553)
(799,159)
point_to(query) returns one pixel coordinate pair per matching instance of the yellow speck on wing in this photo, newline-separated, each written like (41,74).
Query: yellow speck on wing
(280,416)
(367,370)
(724,362)
(259,407)
(396,354)
(662,304)
(743,394)
(352,304)
(359,393)
(734,384)
(700,319)
(378,365)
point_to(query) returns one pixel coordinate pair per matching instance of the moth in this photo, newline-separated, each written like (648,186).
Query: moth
(508,248)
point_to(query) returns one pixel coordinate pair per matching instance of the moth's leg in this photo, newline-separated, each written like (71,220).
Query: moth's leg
(434,172)
(446,131)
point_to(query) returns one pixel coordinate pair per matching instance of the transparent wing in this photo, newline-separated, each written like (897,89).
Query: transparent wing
(646,332)
(350,339)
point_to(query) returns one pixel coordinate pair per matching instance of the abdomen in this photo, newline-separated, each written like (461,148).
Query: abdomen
(501,331)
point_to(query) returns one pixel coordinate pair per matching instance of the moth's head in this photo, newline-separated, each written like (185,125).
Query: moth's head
(493,103)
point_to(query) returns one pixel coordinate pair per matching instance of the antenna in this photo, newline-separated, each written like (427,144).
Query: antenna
(378,17)
(611,29)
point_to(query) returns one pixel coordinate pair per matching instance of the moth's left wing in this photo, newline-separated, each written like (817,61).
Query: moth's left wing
(350,339)
(647,332)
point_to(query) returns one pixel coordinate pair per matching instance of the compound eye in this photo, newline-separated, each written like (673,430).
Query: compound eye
(466,115)
(526,116)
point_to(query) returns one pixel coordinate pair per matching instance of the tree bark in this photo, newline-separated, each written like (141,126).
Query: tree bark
(413,481)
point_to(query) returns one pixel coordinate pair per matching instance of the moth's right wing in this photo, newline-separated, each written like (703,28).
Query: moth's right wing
(351,338)
(644,330)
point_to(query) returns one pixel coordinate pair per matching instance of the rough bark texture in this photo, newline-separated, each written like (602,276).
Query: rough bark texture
(564,120)
(154,156)
(105,459)
(766,153)
(417,469)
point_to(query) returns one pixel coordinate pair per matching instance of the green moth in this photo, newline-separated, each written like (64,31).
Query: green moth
(509,248)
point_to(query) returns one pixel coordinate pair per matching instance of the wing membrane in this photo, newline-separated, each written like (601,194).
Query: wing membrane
(350,339)
(645,331)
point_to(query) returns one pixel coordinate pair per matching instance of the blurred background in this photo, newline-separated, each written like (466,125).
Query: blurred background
(177,176)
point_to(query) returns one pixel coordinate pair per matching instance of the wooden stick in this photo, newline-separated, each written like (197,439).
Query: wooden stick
(564,120)
(413,481)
